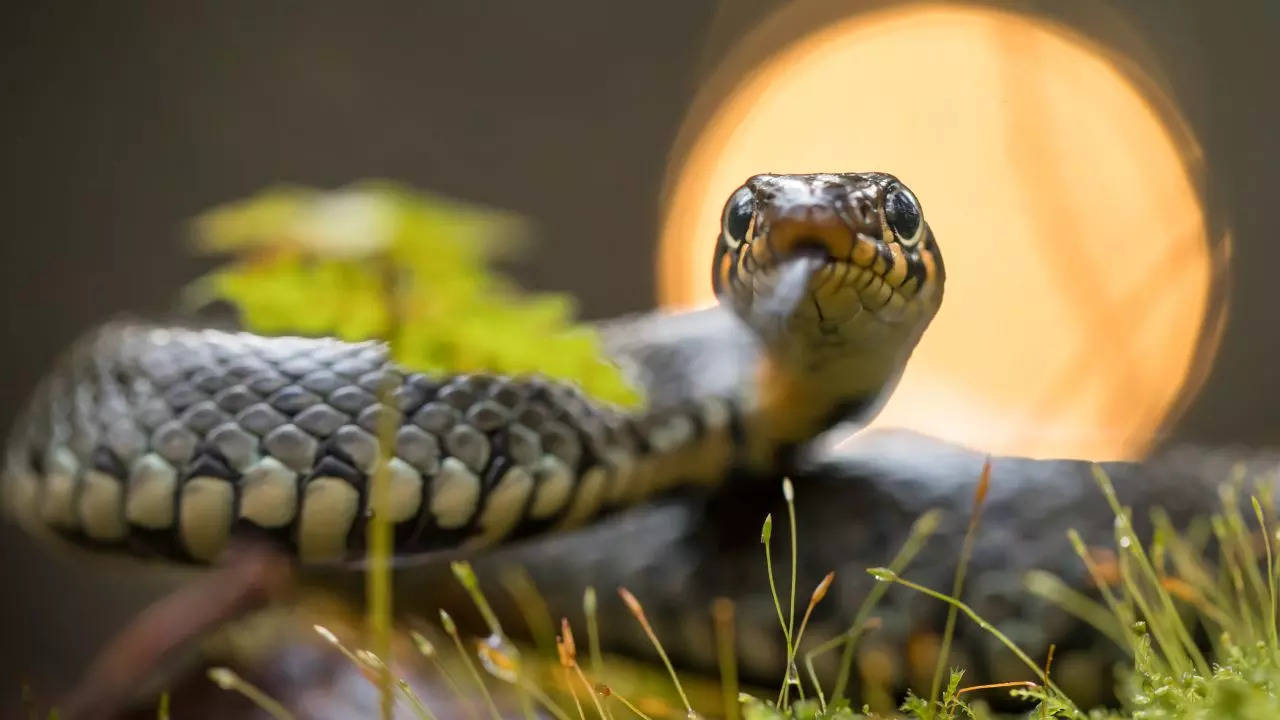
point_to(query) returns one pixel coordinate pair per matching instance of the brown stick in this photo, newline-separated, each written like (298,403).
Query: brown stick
(249,576)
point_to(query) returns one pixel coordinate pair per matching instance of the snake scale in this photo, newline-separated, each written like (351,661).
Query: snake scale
(168,442)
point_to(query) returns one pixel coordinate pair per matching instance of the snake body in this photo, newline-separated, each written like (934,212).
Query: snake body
(170,442)
(167,441)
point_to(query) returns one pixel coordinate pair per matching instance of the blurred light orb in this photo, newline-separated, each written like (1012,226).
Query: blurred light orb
(1079,263)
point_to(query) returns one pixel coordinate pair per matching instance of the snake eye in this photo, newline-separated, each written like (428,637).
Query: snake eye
(737,217)
(902,210)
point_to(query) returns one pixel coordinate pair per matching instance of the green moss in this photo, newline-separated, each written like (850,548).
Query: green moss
(375,260)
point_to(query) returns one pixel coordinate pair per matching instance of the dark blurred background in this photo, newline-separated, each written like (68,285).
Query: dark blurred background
(122,120)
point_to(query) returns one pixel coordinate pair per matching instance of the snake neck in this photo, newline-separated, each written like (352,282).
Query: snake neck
(695,366)
(794,402)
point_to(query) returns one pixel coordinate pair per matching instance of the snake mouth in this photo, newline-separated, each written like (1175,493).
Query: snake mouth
(851,274)
(816,229)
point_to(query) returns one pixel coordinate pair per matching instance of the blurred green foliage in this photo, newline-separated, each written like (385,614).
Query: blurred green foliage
(376,260)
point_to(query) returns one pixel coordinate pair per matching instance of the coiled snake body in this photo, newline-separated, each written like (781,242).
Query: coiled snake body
(169,441)
(161,440)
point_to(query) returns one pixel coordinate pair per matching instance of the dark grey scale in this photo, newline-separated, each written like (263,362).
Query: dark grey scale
(562,441)
(138,389)
(436,417)
(321,382)
(428,385)
(535,414)
(208,462)
(112,407)
(321,420)
(292,399)
(203,416)
(209,382)
(458,395)
(260,418)
(566,405)
(487,416)
(106,461)
(292,446)
(377,381)
(187,357)
(266,383)
(351,399)
(246,368)
(335,465)
(125,439)
(153,411)
(357,445)
(158,367)
(81,433)
(299,366)
(234,443)
(174,442)
(539,388)
(407,398)
(468,445)
(236,398)
(457,380)
(225,349)
(595,435)
(508,394)
(331,352)
(518,442)
(373,417)
(353,367)
(279,352)
(182,395)
(372,352)
(565,409)
(420,449)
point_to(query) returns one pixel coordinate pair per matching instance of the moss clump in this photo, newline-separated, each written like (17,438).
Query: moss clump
(375,260)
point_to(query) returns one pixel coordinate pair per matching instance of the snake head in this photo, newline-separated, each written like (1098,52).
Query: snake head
(829,262)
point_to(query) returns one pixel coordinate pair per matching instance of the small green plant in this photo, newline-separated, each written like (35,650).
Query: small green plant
(379,261)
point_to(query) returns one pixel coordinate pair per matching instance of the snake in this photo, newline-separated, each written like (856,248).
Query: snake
(168,442)
(161,440)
